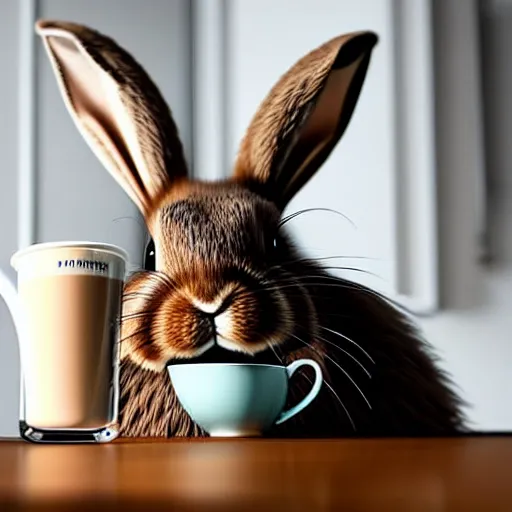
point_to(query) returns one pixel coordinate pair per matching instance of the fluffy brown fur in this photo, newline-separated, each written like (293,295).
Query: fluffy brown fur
(225,268)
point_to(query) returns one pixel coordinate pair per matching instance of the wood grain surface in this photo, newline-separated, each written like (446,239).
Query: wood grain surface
(466,474)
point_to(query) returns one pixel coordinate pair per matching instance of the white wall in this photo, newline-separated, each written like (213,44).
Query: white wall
(76,198)
(473,332)
(9,366)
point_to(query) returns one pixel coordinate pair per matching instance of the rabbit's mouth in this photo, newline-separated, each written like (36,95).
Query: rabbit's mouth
(219,354)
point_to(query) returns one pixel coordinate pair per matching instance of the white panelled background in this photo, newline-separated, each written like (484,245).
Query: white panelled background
(409,172)
(75,198)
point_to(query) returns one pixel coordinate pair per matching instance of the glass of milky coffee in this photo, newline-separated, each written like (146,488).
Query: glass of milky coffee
(70,297)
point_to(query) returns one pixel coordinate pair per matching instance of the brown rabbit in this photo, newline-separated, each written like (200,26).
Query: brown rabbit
(226,281)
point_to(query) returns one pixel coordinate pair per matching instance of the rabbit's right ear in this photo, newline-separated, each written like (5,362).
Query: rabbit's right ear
(118,109)
(305,114)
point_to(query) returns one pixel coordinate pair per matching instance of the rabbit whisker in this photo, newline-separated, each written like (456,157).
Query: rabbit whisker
(310,210)
(329,276)
(140,271)
(346,352)
(136,333)
(154,274)
(331,389)
(336,364)
(344,284)
(301,285)
(275,353)
(137,295)
(129,217)
(322,258)
(341,283)
(352,269)
(142,314)
(162,277)
(349,339)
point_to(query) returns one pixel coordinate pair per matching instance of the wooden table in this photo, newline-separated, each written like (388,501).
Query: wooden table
(466,474)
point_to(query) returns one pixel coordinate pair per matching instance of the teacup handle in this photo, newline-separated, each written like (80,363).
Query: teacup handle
(290,370)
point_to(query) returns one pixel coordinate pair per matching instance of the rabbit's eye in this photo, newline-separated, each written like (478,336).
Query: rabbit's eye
(272,244)
(149,256)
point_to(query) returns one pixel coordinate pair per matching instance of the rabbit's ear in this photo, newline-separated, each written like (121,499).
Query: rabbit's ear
(118,110)
(303,117)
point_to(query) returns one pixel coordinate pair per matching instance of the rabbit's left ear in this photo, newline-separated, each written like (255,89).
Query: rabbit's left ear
(303,117)
(118,109)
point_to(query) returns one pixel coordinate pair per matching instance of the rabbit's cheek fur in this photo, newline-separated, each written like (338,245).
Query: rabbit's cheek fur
(180,329)
(165,320)
(160,323)
(249,323)
(143,295)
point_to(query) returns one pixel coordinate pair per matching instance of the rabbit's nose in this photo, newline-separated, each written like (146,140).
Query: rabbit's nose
(209,308)
(213,308)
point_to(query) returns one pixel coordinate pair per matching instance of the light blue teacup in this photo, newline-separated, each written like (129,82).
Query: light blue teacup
(238,399)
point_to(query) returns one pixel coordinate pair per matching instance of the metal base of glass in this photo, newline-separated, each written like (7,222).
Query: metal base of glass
(60,436)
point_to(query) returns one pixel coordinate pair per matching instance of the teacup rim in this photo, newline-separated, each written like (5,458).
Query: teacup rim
(173,365)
